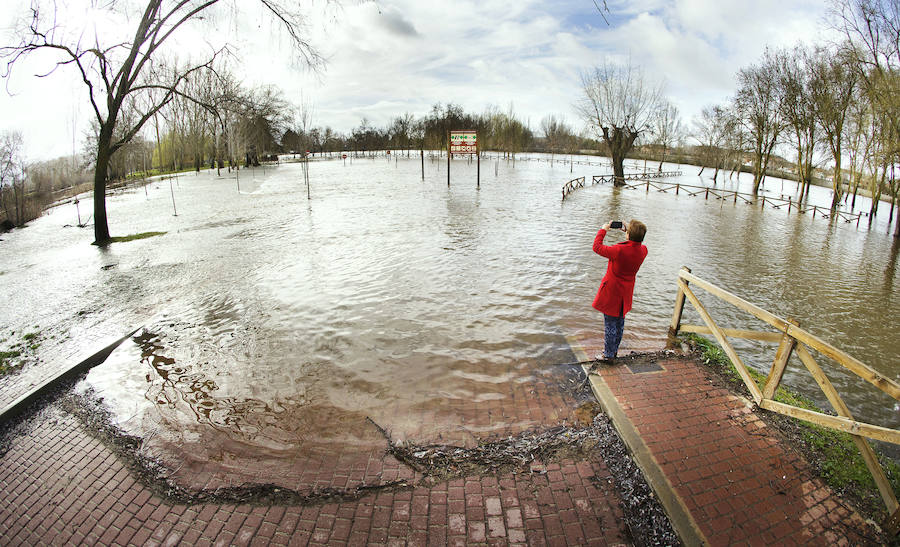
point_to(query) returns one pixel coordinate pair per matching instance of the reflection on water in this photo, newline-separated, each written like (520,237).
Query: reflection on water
(277,322)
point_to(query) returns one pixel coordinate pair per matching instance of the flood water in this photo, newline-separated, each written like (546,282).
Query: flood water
(274,322)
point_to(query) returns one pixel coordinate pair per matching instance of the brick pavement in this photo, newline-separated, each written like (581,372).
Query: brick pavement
(736,481)
(60,484)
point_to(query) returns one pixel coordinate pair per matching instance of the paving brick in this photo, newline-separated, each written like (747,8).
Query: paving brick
(106,504)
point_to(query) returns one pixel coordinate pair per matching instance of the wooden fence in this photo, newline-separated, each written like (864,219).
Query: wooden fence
(792,339)
(568,188)
(734,196)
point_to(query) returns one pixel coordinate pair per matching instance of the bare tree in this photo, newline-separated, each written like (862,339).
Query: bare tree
(711,131)
(667,129)
(797,109)
(757,103)
(12,176)
(619,104)
(873,29)
(832,91)
(115,71)
(557,133)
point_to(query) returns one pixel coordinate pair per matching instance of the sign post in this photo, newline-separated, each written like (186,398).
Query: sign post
(463,142)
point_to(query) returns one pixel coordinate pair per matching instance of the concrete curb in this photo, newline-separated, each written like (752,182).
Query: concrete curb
(681,519)
(16,407)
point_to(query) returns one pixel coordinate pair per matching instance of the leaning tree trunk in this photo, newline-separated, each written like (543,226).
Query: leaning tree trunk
(758,173)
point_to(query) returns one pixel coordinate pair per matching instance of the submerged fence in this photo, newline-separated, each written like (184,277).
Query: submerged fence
(792,339)
(570,186)
(646,184)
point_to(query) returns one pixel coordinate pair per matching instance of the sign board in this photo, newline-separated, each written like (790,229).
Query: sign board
(463,142)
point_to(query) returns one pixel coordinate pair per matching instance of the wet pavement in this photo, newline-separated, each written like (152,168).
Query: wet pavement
(724,476)
(66,477)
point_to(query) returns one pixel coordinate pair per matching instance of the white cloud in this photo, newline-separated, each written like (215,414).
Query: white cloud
(389,57)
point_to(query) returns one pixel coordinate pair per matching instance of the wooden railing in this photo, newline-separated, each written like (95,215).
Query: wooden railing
(750,199)
(793,339)
(570,186)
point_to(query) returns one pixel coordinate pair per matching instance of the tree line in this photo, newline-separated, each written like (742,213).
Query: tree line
(835,106)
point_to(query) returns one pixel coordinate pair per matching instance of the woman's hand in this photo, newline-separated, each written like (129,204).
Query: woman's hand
(606,226)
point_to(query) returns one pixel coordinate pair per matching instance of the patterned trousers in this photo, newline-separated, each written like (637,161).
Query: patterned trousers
(614,327)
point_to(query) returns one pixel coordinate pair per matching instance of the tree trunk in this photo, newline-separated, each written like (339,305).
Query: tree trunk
(19,221)
(101,228)
(757,179)
(837,185)
(618,164)
(897,223)
(619,143)
(101,176)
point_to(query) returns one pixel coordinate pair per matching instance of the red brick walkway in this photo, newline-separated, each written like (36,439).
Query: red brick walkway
(60,485)
(736,482)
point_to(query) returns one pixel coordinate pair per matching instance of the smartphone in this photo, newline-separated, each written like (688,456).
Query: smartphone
(615,224)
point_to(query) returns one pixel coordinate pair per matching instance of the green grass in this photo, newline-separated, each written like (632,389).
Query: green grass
(18,351)
(132,237)
(836,455)
(6,358)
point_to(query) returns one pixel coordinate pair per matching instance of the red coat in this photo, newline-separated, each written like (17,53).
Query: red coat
(617,287)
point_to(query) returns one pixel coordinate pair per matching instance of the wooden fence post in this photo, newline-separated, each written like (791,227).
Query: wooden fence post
(785,349)
(679,309)
(869,457)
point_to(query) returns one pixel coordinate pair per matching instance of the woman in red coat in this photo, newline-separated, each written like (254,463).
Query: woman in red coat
(617,287)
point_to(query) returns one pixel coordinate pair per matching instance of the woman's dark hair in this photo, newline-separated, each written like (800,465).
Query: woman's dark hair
(636,230)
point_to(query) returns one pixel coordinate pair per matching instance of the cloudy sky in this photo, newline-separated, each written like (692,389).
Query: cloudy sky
(389,57)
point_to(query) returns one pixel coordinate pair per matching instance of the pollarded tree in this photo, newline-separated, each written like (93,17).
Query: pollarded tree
(127,60)
(619,104)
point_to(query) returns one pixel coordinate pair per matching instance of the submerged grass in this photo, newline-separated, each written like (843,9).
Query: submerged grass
(132,237)
(832,453)
(18,350)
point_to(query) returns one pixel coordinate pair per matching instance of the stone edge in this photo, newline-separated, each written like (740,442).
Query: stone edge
(681,519)
(18,406)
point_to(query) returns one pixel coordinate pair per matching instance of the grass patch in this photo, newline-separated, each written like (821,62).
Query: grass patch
(6,361)
(832,453)
(132,237)
(18,351)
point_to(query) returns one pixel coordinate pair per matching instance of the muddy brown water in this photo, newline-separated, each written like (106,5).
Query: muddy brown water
(274,323)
